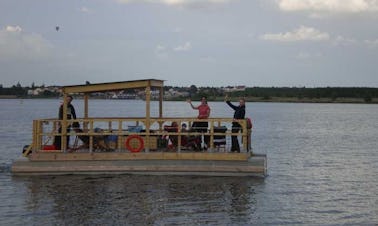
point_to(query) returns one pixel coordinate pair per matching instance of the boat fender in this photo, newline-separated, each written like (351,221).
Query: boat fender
(26,150)
(249,123)
(132,148)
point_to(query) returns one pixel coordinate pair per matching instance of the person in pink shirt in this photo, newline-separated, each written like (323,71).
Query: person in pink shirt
(203,113)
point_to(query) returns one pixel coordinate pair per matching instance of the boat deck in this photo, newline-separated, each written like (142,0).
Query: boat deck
(203,164)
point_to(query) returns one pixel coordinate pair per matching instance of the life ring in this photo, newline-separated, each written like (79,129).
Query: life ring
(131,148)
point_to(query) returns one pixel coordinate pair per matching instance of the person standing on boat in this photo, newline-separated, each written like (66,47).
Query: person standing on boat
(71,114)
(203,113)
(236,127)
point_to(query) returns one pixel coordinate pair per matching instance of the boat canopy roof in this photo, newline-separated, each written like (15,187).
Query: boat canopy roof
(113,86)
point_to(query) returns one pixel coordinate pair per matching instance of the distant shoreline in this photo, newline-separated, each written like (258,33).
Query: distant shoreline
(248,99)
(9,97)
(311,100)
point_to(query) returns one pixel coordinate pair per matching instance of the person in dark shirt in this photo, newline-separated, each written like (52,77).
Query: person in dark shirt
(71,114)
(236,127)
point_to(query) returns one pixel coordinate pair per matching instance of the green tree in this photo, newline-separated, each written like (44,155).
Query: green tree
(193,89)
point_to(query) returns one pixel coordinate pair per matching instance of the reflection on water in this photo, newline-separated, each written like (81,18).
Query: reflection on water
(72,200)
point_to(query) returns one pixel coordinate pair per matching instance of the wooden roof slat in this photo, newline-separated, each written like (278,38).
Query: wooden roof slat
(113,86)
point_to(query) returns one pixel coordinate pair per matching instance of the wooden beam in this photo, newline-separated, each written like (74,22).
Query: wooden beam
(146,167)
(64,124)
(59,156)
(102,87)
(161,96)
(148,115)
(86,111)
(138,168)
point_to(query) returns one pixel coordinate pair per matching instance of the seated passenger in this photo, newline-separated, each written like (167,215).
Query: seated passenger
(83,138)
(184,138)
(99,141)
(190,142)
(172,139)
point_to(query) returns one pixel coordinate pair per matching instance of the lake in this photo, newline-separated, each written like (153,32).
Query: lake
(322,166)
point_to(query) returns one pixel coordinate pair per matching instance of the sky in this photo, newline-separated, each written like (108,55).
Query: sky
(215,43)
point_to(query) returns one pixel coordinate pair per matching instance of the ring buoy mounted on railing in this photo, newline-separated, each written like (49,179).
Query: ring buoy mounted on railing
(132,148)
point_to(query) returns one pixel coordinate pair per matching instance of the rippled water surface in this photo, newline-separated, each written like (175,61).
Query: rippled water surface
(322,166)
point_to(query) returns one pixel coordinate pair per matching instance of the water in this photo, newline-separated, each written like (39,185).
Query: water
(322,166)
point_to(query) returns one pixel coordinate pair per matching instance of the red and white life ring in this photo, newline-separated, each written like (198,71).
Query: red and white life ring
(131,148)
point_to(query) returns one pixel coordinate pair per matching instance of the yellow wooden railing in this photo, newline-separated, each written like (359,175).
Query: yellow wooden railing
(45,130)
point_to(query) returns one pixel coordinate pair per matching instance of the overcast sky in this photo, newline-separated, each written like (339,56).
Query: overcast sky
(312,43)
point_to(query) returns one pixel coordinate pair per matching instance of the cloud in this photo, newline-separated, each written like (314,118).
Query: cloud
(372,43)
(85,10)
(301,34)
(160,48)
(161,51)
(179,3)
(208,59)
(308,55)
(185,47)
(15,29)
(341,6)
(18,45)
(340,40)
(178,30)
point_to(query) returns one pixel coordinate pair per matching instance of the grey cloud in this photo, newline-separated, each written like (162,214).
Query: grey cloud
(18,45)
(338,6)
(303,33)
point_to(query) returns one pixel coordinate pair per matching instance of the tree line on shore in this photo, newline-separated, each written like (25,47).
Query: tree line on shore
(365,94)
(331,94)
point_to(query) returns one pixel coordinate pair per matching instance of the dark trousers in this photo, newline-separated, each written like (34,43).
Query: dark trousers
(234,138)
(58,139)
(202,128)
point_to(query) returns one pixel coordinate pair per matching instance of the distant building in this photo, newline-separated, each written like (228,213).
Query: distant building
(172,93)
(234,88)
(41,90)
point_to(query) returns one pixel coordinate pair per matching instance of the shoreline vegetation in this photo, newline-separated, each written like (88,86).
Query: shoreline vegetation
(251,94)
(235,99)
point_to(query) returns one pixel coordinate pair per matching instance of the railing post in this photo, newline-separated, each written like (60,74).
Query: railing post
(35,135)
(244,135)
(64,125)
(249,141)
(38,136)
(147,120)
(211,135)
(90,136)
(85,124)
(119,136)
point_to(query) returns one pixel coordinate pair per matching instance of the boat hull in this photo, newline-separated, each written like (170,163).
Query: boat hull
(252,166)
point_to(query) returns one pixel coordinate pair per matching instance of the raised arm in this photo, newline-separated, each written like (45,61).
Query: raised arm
(227,100)
(231,105)
(190,102)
